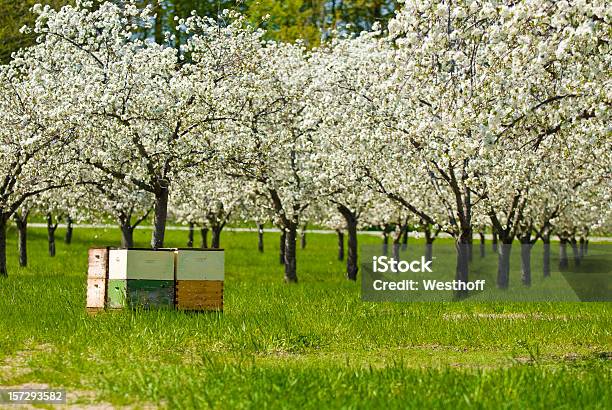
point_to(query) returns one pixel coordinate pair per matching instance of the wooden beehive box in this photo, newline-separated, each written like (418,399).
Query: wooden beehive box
(199,295)
(141,278)
(97,273)
(199,279)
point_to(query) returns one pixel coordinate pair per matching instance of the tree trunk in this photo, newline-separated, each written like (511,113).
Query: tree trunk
(303,237)
(526,260)
(351,257)
(575,252)
(69,229)
(127,235)
(216,237)
(340,244)
(51,227)
(429,250)
(3,270)
(582,247)
(385,245)
(470,247)
(494,241)
(503,264)
(22,238)
(563,261)
(546,255)
(260,238)
(290,254)
(586,247)
(190,235)
(161,214)
(462,269)
(405,238)
(204,234)
(282,248)
(482,244)
(351,219)
(429,240)
(396,250)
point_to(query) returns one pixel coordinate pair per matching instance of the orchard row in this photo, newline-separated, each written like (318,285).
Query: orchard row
(463,117)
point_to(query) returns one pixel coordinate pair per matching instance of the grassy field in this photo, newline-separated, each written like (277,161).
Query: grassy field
(311,345)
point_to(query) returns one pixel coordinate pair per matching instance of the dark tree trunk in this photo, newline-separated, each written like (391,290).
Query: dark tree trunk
(127,235)
(351,219)
(216,237)
(405,238)
(69,229)
(351,257)
(22,238)
(563,261)
(340,244)
(204,234)
(160,217)
(503,264)
(429,251)
(526,260)
(190,236)
(385,245)
(3,270)
(482,244)
(546,255)
(282,247)
(575,252)
(51,227)
(303,237)
(470,247)
(260,238)
(582,247)
(290,254)
(397,242)
(462,269)
(494,241)
(586,247)
(429,240)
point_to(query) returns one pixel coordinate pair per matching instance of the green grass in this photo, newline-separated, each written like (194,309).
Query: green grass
(310,345)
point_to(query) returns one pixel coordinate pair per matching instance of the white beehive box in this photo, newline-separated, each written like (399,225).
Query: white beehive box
(193,264)
(96,293)
(141,264)
(97,263)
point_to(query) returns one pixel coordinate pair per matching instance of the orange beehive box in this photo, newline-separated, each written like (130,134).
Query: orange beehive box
(199,295)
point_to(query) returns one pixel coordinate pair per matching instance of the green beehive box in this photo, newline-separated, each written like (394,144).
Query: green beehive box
(148,294)
(116,294)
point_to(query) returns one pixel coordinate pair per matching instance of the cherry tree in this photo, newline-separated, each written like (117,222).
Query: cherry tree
(33,134)
(145,111)
(459,86)
(270,142)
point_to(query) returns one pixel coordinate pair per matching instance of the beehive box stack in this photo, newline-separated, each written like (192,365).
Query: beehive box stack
(199,279)
(140,277)
(97,274)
